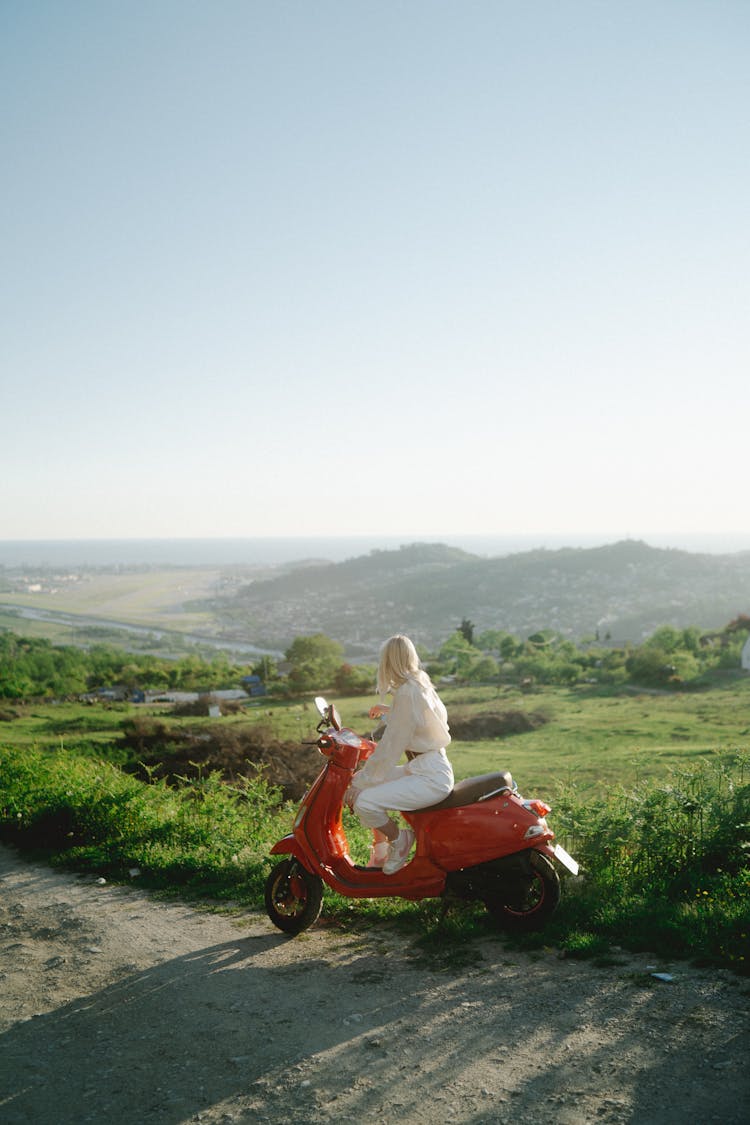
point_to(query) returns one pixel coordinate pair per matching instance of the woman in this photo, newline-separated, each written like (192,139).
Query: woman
(416,725)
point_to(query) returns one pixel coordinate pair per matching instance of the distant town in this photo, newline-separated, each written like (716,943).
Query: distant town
(616,594)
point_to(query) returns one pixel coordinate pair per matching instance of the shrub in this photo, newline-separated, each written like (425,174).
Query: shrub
(205,834)
(666,865)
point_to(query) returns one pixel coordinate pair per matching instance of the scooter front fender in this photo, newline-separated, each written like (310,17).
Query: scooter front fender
(291,845)
(288,845)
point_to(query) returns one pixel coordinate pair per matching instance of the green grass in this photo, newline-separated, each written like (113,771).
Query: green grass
(150,598)
(597,739)
(44,724)
(594,739)
(651,792)
(205,836)
(57,634)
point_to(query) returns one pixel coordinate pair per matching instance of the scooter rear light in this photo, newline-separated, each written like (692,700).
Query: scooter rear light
(537,807)
(536,830)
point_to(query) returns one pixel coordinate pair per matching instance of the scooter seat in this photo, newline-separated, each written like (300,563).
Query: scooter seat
(472,789)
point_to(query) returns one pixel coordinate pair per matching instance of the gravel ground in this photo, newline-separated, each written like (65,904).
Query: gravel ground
(116,1007)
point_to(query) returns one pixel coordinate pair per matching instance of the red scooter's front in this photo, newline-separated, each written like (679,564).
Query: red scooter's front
(317,849)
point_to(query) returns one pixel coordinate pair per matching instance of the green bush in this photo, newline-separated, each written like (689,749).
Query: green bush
(205,834)
(665,867)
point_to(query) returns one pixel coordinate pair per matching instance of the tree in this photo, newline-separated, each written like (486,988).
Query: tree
(265,668)
(654,665)
(666,637)
(315,661)
(466,628)
(457,655)
(355,679)
(497,640)
(483,670)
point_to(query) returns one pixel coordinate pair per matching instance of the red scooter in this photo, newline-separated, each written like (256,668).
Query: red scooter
(482,842)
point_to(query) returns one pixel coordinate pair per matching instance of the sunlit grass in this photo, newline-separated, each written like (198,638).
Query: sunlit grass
(596,740)
(651,792)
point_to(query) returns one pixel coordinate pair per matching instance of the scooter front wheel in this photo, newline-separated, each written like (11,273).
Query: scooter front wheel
(527,902)
(293,896)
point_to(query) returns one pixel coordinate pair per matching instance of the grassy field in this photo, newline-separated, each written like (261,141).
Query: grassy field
(650,791)
(590,739)
(59,634)
(154,599)
(66,724)
(595,740)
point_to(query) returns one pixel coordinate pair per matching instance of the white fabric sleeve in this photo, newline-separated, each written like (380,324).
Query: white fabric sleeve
(399,731)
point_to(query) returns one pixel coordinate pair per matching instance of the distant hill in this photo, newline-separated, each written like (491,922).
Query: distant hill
(623,591)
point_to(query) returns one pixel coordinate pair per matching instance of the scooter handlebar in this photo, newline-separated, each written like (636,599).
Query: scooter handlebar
(345,739)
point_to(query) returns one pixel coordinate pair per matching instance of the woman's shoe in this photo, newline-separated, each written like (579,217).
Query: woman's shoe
(398,852)
(378,854)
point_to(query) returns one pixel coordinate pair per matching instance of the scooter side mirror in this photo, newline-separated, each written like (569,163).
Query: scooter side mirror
(328,712)
(321,705)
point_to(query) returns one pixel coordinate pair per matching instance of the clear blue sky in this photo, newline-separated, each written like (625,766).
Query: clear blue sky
(348,267)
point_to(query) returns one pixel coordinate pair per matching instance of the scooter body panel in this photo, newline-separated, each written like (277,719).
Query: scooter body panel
(473,834)
(448,840)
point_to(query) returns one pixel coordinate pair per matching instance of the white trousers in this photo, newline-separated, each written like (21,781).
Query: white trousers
(424,781)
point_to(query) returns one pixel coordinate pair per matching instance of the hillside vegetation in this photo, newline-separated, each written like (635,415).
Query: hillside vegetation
(621,592)
(669,658)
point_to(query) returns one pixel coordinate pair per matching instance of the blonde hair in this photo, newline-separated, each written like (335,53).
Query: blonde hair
(398,663)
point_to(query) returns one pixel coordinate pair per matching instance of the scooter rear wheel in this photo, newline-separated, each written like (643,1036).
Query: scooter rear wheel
(530,902)
(293,896)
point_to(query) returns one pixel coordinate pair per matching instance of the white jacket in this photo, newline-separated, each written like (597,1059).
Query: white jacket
(417,721)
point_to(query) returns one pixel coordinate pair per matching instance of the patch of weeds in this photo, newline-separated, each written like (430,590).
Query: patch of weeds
(448,939)
(581,945)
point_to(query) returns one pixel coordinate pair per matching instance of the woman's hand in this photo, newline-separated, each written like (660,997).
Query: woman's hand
(378,711)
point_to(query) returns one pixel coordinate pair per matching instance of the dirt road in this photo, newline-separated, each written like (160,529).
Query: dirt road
(116,1008)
